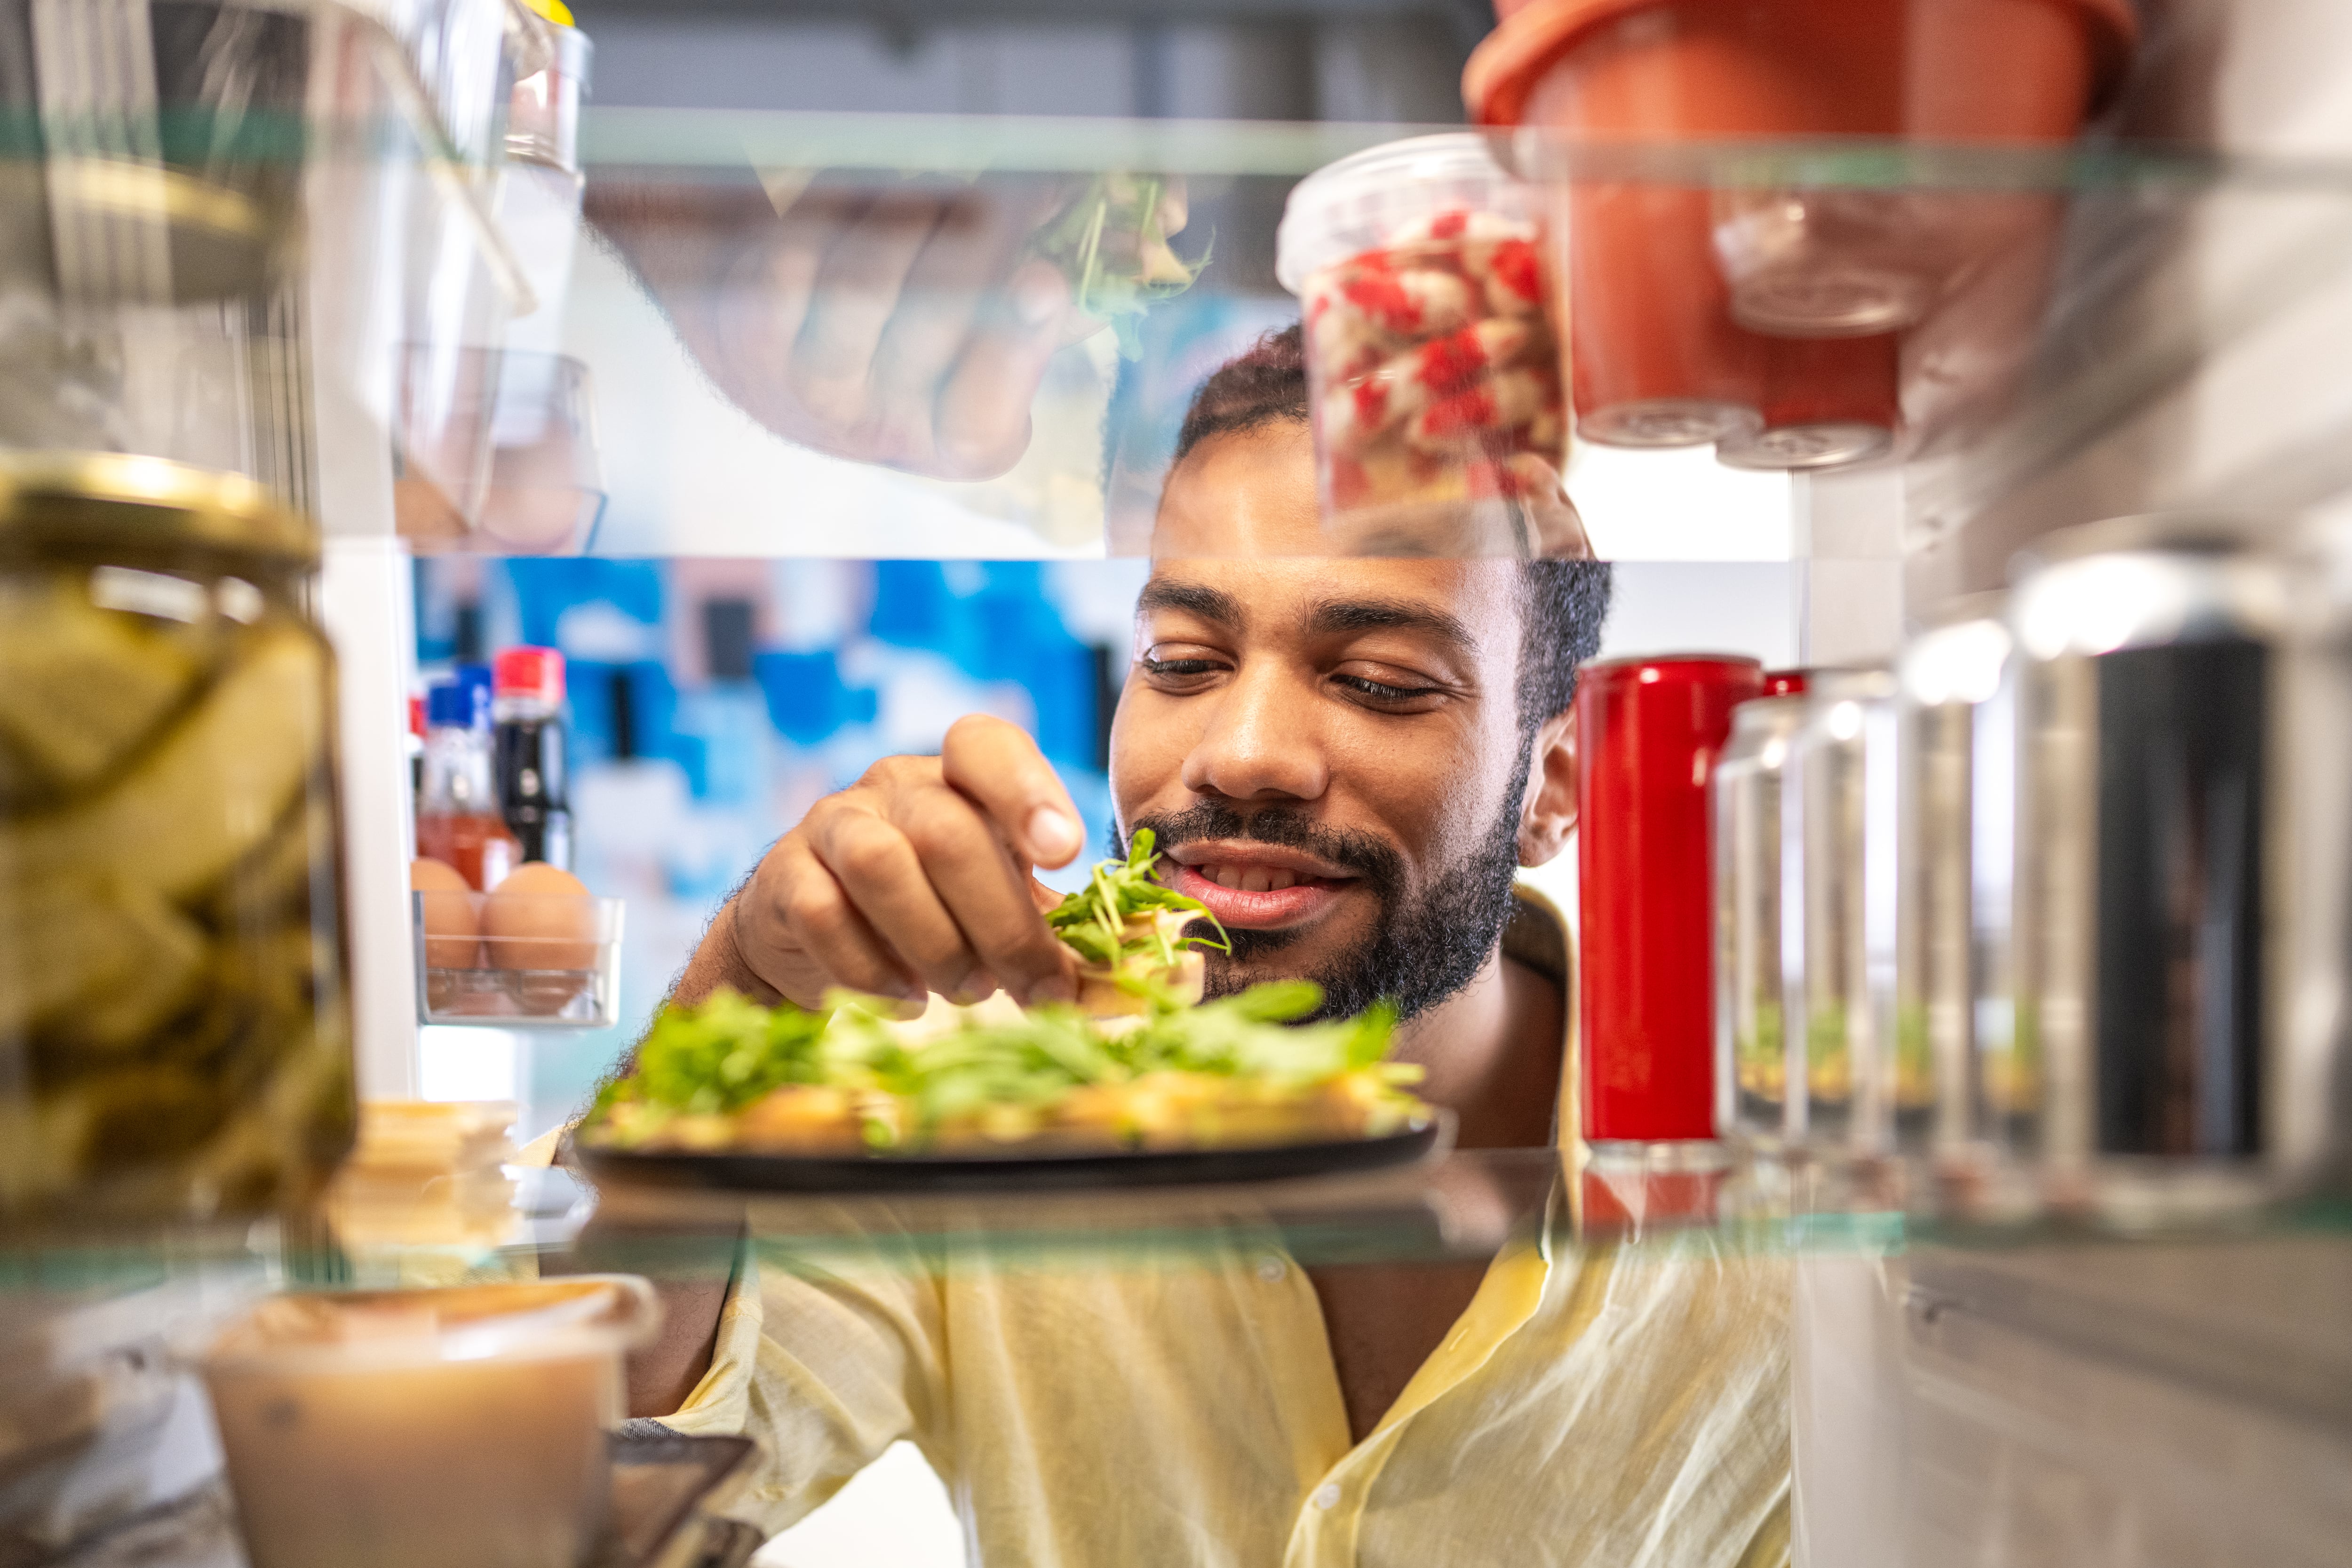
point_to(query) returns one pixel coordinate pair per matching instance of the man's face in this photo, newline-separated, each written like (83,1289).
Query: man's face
(1328,749)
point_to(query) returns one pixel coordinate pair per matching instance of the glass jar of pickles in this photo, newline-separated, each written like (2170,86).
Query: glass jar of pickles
(174,1039)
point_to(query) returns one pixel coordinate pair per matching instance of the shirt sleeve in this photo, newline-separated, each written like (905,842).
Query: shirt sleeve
(825,1362)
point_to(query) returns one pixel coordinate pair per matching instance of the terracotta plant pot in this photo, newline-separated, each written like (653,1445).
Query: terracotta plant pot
(1828,403)
(1668,282)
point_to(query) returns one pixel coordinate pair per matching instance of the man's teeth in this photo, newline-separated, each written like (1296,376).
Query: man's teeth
(1249,879)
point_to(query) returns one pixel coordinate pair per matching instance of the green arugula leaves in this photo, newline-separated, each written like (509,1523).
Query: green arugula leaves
(1099,920)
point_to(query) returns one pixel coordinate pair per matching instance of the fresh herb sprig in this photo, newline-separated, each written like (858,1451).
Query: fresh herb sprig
(1112,243)
(1099,920)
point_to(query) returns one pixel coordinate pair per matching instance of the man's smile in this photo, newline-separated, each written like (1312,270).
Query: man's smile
(1256,886)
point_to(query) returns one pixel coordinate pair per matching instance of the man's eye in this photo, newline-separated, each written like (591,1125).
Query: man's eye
(1177,667)
(1385,692)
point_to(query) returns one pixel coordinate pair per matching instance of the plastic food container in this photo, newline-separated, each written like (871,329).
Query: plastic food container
(1432,346)
(509,463)
(417,1429)
(518,960)
(174,1031)
(1651,730)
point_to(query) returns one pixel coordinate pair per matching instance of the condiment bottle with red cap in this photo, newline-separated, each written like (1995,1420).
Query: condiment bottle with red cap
(533,793)
(458,817)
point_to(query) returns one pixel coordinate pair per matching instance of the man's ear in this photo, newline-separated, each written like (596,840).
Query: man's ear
(1549,814)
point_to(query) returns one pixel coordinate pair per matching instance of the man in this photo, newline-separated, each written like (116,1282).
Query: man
(1345,761)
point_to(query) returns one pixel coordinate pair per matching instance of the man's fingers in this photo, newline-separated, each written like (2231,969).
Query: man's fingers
(959,277)
(1000,769)
(857,291)
(879,871)
(817,919)
(983,409)
(966,862)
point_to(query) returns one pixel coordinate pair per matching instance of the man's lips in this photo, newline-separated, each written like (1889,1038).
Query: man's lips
(1256,886)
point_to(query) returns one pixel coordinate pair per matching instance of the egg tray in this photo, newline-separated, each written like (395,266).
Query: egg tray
(521,998)
(499,986)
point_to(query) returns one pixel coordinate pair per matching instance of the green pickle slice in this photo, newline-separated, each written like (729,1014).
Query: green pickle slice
(169,993)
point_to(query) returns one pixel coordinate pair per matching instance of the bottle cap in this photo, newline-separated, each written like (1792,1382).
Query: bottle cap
(530,672)
(462,700)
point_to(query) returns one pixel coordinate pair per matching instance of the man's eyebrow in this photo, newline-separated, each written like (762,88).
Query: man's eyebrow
(1339,616)
(1212,604)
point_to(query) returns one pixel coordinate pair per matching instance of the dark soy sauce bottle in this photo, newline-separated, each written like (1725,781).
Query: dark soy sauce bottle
(534,792)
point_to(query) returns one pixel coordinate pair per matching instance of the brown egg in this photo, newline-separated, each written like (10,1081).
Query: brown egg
(452,929)
(541,918)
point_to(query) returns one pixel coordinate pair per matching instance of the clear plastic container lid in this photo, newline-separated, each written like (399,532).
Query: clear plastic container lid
(589,1314)
(1364,201)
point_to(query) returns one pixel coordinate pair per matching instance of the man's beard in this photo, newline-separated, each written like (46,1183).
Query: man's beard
(1426,943)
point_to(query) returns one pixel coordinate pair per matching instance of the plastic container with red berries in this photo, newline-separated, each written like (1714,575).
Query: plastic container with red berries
(1433,348)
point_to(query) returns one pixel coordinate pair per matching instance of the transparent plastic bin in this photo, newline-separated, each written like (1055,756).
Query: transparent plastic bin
(218,269)
(512,467)
(517,961)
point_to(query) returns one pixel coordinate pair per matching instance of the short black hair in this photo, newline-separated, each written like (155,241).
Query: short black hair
(1263,383)
(1562,604)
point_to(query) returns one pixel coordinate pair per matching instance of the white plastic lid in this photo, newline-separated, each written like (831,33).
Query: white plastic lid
(366,1331)
(1359,202)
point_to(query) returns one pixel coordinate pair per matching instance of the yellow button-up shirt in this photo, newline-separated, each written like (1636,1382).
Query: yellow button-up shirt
(1608,1406)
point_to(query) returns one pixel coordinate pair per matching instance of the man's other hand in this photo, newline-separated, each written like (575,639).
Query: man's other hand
(905,324)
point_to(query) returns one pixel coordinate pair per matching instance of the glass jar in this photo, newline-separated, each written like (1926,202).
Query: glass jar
(174,1032)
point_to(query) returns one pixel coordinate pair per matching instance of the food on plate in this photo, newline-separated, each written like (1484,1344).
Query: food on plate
(1241,1071)
(1436,365)
(1129,932)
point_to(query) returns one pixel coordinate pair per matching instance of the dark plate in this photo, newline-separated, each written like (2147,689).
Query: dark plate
(1005,1173)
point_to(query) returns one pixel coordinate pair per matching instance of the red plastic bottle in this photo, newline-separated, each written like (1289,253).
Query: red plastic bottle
(1650,730)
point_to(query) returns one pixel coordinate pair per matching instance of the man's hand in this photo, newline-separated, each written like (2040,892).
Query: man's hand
(903,324)
(917,878)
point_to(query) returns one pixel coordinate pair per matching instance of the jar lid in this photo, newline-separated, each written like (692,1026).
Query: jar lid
(1360,203)
(118,498)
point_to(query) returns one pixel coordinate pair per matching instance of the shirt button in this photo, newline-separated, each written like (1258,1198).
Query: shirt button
(1270,1269)
(1326,1496)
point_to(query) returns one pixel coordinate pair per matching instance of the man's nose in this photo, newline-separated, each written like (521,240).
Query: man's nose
(1261,742)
